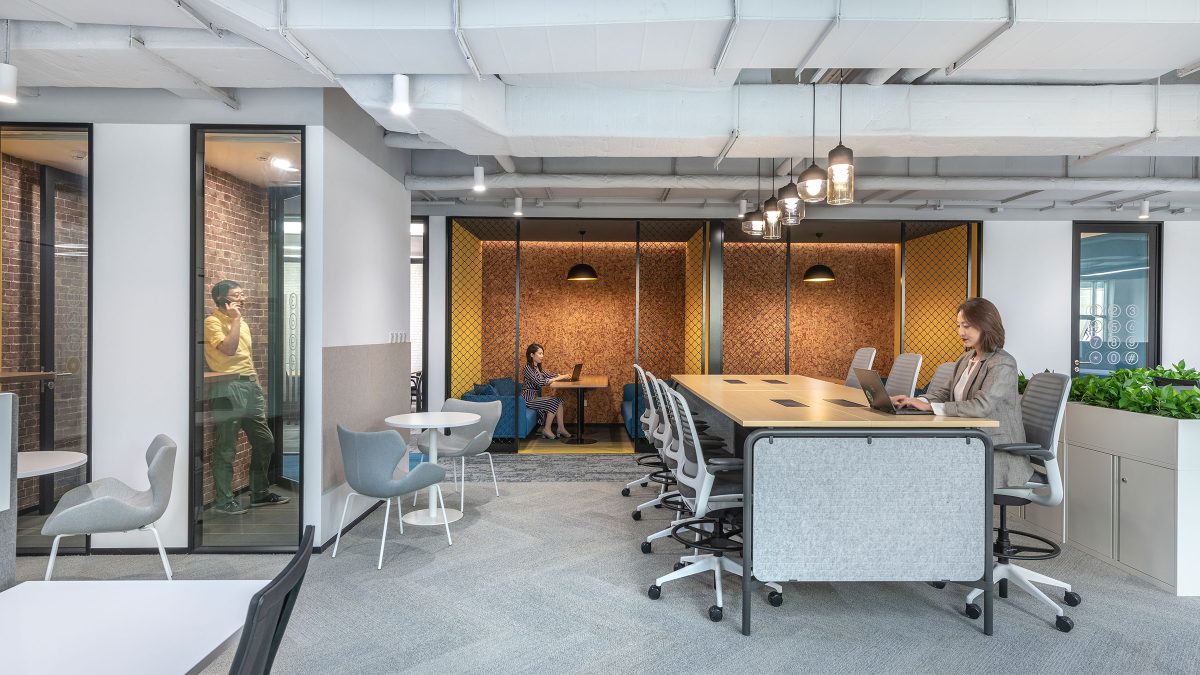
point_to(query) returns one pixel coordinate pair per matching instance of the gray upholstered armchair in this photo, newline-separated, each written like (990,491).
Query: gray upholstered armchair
(108,505)
(468,441)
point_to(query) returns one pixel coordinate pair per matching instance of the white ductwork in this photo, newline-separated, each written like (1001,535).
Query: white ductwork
(394,139)
(899,183)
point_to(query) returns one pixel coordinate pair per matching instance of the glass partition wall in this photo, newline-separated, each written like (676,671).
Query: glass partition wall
(45,316)
(248,348)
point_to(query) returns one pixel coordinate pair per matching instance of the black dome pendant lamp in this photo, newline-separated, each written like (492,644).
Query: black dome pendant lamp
(582,271)
(819,273)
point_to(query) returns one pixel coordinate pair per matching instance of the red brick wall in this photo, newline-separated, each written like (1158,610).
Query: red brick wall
(236,218)
(20,314)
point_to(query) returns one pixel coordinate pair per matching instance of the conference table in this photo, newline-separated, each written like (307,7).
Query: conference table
(128,627)
(837,491)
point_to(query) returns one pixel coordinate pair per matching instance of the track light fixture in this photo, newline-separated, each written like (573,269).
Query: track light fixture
(400,101)
(1144,214)
(479,186)
(517,207)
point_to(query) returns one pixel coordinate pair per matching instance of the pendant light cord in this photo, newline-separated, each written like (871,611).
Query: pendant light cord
(841,77)
(814,124)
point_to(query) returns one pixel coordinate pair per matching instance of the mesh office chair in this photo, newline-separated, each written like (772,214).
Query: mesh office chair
(902,379)
(648,421)
(270,609)
(942,376)
(863,358)
(1042,408)
(708,485)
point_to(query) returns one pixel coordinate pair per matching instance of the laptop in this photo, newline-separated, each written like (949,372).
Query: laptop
(877,394)
(575,373)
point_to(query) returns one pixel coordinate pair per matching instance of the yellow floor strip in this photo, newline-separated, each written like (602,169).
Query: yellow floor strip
(548,447)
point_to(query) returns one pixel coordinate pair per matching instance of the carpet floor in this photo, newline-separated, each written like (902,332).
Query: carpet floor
(548,577)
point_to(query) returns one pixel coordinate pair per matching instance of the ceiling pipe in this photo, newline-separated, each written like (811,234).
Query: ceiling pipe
(733,26)
(962,60)
(837,19)
(1012,184)
(506,163)
(876,76)
(395,139)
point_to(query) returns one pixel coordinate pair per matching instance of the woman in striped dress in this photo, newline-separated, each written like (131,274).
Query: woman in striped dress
(549,408)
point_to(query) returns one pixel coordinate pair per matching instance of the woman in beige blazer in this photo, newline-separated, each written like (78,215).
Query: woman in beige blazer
(984,385)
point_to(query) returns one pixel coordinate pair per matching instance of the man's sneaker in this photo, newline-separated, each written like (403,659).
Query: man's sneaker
(270,500)
(230,508)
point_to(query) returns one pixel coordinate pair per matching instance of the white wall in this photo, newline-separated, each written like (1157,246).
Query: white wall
(141,238)
(314,261)
(435,266)
(365,267)
(1181,298)
(1026,272)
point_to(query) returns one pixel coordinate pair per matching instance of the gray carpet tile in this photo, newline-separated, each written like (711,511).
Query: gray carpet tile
(548,577)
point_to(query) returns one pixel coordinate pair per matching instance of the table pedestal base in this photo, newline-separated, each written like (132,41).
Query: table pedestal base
(431,517)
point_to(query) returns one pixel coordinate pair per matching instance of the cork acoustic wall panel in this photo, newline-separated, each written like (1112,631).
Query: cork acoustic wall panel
(831,320)
(753,306)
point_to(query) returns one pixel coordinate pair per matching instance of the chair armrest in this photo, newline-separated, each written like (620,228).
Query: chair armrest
(1024,450)
(723,464)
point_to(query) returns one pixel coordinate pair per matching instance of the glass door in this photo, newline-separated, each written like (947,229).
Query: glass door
(1115,306)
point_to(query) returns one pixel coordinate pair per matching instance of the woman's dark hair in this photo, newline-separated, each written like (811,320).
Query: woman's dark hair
(529,352)
(982,314)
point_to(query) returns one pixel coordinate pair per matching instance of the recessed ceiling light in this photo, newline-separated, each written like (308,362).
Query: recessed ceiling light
(283,163)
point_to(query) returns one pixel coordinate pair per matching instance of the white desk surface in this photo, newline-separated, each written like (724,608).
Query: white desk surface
(126,627)
(432,420)
(40,463)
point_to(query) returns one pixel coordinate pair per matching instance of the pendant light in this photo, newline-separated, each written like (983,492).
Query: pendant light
(741,208)
(793,206)
(772,229)
(8,72)
(812,179)
(479,184)
(819,273)
(754,223)
(841,164)
(517,203)
(582,271)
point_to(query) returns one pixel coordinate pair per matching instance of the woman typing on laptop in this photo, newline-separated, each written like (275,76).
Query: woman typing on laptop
(549,408)
(984,385)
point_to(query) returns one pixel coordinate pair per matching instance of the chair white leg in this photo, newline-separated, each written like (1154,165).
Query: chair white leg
(720,591)
(1038,578)
(495,485)
(453,473)
(387,511)
(1020,580)
(162,552)
(53,553)
(400,514)
(462,487)
(445,518)
(637,481)
(341,523)
(708,564)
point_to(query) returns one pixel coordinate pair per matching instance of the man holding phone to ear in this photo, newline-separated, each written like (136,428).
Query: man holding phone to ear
(237,403)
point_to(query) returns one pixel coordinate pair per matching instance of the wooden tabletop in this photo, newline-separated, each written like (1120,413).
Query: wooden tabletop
(585,382)
(15,376)
(752,401)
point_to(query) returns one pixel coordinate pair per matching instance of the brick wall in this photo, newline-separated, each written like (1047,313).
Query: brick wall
(236,218)
(20,313)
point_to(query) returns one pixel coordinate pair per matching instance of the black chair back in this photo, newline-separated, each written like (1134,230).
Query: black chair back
(269,612)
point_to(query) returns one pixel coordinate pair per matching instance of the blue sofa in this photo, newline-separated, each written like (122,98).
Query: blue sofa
(633,425)
(512,408)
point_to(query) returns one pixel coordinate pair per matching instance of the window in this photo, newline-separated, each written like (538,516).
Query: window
(1115,305)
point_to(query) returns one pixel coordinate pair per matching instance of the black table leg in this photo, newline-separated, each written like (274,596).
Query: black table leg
(579,439)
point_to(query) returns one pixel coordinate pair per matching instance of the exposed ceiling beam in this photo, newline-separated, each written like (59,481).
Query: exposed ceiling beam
(837,19)
(59,18)
(462,41)
(220,94)
(304,52)
(733,25)
(974,51)
(725,182)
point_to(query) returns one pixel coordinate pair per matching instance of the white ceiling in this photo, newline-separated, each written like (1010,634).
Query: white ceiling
(631,87)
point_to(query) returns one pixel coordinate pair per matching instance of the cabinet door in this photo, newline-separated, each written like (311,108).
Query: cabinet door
(1048,517)
(1146,522)
(1090,499)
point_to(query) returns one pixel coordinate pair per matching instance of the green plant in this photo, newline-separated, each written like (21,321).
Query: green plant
(1133,389)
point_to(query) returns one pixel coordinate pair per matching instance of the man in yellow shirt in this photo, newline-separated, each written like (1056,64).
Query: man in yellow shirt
(238,402)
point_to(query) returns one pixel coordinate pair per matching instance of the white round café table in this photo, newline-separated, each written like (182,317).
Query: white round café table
(40,463)
(436,421)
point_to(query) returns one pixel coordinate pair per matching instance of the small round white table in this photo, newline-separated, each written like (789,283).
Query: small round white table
(436,421)
(40,463)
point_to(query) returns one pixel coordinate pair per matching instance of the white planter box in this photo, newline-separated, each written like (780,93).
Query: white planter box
(1135,493)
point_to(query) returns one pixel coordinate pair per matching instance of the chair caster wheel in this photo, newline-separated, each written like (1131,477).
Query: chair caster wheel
(715,613)
(645,484)
(973,611)
(624,492)
(1064,623)
(937,584)
(637,515)
(678,566)
(645,547)
(654,593)
(1072,598)
(775,598)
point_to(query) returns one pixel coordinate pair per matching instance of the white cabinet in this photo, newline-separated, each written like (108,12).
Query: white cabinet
(1146,518)
(1090,507)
